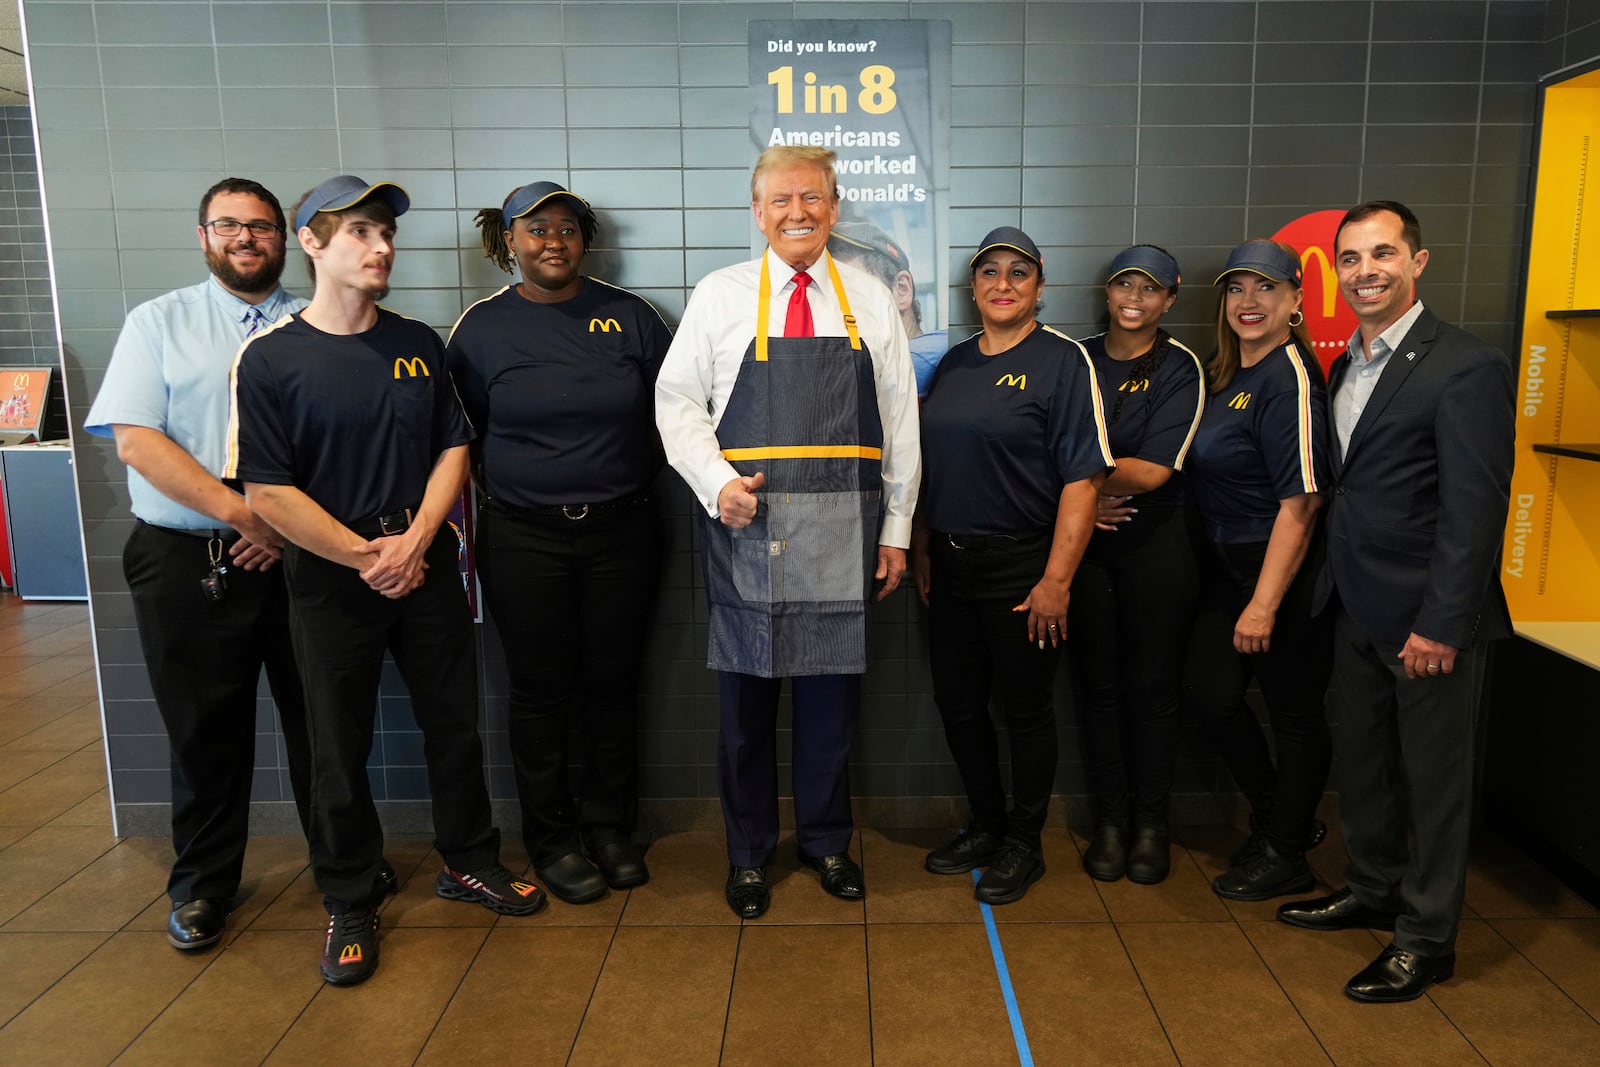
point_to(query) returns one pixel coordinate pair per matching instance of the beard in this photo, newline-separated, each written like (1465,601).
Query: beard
(263,279)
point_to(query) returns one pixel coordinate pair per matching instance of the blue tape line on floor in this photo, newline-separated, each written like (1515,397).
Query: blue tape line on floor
(1019,1033)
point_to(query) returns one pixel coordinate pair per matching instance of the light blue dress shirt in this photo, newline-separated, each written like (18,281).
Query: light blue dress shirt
(1355,389)
(169,372)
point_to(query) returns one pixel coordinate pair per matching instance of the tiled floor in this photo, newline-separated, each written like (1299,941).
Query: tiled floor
(665,975)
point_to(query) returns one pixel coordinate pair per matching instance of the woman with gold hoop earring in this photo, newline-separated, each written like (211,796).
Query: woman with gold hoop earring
(1256,474)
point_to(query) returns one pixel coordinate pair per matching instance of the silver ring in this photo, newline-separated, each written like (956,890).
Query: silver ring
(1053,626)
(1433,666)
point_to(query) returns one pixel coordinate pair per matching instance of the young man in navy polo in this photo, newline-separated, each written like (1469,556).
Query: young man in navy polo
(352,444)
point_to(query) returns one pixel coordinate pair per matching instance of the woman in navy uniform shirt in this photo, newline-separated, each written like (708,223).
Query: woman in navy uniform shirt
(1134,595)
(1256,471)
(557,374)
(1014,450)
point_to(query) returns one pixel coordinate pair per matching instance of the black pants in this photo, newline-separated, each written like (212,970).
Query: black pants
(205,659)
(1132,609)
(572,601)
(1293,677)
(978,647)
(1406,765)
(341,631)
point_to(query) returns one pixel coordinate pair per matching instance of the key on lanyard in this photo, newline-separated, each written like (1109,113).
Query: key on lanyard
(215,584)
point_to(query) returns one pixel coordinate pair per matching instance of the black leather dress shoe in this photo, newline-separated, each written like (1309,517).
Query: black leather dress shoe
(1106,858)
(388,880)
(841,876)
(1150,855)
(1341,911)
(196,923)
(621,862)
(573,878)
(971,848)
(1397,975)
(747,891)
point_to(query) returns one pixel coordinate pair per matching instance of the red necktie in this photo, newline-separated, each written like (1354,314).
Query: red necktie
(797,323)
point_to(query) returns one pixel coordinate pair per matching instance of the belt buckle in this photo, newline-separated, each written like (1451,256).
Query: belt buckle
(583,512)
(958,546)
(399,525)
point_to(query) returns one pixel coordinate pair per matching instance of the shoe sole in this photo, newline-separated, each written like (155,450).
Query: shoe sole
(1011,897)
(194,946)
(628,883)
(1329,928)
(1149,879)
(344,980)
(565,898)
(960,868)
(1105,875)
(1303,886)
(456,891)
(1365,999)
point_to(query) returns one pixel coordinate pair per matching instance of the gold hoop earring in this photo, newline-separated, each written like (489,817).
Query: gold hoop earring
(1297,318)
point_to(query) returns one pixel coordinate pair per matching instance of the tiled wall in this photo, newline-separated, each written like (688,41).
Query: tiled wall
(1092,124)
(27,324)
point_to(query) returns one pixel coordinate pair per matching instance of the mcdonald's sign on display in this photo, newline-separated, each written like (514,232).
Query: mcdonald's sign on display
(1329,320)
(22,399)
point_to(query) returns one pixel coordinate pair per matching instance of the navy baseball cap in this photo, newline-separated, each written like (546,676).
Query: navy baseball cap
(345,192)
(532,195)
(1007,237)
(1266,259)
(1149,261)
(861,234)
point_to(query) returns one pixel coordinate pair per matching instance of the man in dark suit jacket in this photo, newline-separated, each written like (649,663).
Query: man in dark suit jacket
(1425,418)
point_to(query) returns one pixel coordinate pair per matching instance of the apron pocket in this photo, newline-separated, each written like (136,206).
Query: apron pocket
(816,549)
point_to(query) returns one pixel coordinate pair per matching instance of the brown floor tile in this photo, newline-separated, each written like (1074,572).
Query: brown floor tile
(19,765)
(902,891)
(1077,990)
(271,864)
(28,676)
(20,714)
(1185,895)
(92,811)
(10,834)
(935,997)
(262,980)
(1218,1002)
(64,733)
(798,896)
(1313,968)
(288,898)
(31,963)
(1509,1011)
(93,1013)
(297,907)
(523,998)
(662,998)
(1504,883)
(798,990)
(687,873)
(1566,950)
(37,863)
(1064,894)
(108,893)
(389,1017)
(75,638)
(67,782)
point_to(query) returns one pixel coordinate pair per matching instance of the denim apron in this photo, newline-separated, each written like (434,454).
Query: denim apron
(788,593)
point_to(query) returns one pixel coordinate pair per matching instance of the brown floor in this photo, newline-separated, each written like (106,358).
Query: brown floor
(664,974)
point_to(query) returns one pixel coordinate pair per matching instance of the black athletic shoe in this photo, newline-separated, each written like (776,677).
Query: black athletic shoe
(350,954)
(493,887)
(968,849)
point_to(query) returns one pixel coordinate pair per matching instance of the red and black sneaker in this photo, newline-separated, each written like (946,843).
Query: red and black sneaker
(493,887)
(350,954)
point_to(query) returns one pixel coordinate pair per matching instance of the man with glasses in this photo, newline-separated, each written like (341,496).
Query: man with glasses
(208,602)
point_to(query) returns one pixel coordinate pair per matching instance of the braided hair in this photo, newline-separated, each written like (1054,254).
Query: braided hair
(492,227)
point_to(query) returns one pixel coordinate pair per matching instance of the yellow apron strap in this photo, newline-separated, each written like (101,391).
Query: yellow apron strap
(764,308)
(844,304)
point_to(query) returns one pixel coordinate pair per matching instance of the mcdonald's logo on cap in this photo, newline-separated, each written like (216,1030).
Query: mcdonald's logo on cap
(413,366)
(604,325)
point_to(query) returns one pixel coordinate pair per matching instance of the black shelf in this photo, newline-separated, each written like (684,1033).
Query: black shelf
(1589,452)
(1574,313)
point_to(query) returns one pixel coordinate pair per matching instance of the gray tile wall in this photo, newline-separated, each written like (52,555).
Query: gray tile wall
(1092,124)
(27,320)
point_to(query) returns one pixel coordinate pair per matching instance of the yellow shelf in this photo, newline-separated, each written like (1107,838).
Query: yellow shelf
(1575,640)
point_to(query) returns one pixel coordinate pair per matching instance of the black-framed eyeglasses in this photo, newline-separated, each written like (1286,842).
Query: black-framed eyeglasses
(231,228)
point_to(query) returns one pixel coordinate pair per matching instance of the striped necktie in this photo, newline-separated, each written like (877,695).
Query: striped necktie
(253,320)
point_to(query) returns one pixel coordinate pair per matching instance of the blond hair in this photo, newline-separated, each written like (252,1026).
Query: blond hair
(790,155)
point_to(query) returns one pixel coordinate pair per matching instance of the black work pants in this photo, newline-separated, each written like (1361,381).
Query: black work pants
(1132,609)
(979,647)
(1293,677)
(205,659)
(572,601)
(341,630)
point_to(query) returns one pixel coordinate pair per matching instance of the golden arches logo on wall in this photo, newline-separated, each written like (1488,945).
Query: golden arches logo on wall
(1329,320)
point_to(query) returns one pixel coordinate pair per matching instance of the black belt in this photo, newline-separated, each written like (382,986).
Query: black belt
(574,512)
(989,542)
(396,522)
(219,533)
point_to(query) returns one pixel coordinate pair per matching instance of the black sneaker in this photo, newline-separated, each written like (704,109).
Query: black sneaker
(350,954)
(1014,869)
(493,887)
(968,849)
(1270,874)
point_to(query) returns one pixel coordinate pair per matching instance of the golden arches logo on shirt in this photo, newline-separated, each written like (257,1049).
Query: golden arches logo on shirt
(1131,386)
(1018,380)
(604,325)
(1329,320)
(413,367)
(1240,401)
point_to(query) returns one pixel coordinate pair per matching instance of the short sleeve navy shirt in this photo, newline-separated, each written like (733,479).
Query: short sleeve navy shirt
(356,421)
(1151,415)
(1262,439)
(1001,435)
(562,395)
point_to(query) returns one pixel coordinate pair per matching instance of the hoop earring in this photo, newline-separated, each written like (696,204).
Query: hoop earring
(1297,318)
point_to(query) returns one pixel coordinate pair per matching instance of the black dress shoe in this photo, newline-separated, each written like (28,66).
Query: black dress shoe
(971,848)
(388,880)
(747,891)
(1150,855)
(196,923)
(841,876)
(1106,858)
(1007,880)
(621,862)
(1397,975)
(573,878)
(1270,874)
(1341,911)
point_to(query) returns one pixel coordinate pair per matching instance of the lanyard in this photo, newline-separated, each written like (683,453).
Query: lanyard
(764,307)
